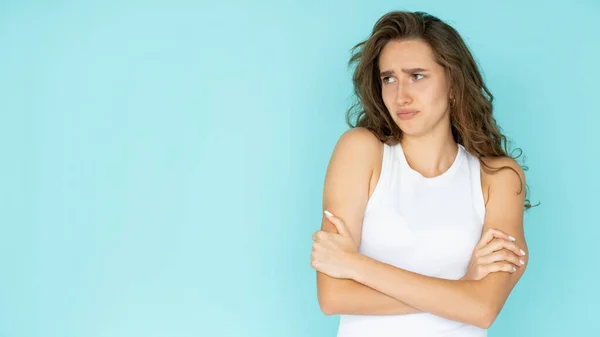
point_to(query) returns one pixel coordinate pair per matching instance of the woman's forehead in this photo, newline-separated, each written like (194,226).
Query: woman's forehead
(406,54)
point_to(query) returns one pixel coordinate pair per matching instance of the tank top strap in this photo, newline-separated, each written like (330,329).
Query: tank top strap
(476,185)
(385,173)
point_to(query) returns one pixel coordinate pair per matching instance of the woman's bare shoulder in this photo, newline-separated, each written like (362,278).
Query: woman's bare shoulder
(501,162)
(361,143)
(504,171)
(367,150)
(362,137)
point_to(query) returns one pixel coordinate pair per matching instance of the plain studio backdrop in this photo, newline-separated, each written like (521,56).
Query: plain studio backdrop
(163,161)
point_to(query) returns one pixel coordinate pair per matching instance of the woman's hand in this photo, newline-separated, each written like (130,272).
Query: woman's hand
(333,253)
(496,251)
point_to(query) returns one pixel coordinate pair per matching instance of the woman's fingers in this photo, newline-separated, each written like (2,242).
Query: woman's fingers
(321,235)
(325,239)
(490,234)
(498,244)
(501,256)
(500,266)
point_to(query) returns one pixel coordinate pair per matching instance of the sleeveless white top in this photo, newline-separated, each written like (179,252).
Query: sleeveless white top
(425,225)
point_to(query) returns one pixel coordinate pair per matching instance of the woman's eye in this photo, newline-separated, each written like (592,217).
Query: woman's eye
(389,79)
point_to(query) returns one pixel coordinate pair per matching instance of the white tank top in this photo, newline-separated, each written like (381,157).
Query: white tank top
(425,225)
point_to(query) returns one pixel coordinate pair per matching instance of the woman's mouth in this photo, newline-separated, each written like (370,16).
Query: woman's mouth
(406,113)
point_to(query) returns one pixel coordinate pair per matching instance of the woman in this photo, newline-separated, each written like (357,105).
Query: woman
(423,227)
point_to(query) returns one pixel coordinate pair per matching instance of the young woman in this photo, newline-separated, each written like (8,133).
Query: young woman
(423,226)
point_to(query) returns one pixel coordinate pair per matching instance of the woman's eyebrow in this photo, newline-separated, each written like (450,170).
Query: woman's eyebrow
(408,71)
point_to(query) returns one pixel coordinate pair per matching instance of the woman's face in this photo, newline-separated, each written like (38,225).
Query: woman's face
(414,87)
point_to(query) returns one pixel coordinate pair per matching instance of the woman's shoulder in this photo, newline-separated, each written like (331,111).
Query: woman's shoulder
(503,171)
(362,142)
(500,163)
(361,135)
(365,150)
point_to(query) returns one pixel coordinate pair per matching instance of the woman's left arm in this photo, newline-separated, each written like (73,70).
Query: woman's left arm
(472,302)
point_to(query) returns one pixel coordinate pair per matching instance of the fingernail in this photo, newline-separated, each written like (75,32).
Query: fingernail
(511,238)
(514,269)
(521,262)
(523,252)
(328,213)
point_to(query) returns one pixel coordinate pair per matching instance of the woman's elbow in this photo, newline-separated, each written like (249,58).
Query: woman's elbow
(329,311)
(480,314)
(484,323)
(327,304)
(487,318)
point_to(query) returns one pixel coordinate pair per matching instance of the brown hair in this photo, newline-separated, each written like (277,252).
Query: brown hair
(472,123)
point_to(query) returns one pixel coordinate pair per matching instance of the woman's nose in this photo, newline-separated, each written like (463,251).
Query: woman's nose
(402,94)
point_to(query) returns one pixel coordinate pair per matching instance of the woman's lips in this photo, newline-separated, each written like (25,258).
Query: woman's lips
(407,114)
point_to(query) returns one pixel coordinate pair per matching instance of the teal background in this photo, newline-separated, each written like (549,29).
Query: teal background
(163,161)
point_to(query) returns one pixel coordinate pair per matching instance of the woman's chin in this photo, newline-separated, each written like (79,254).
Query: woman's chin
(410,130)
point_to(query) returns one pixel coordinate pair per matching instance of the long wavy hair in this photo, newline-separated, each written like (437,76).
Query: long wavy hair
(472,122)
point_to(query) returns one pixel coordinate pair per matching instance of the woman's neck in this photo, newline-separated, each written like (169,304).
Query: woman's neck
(430,155)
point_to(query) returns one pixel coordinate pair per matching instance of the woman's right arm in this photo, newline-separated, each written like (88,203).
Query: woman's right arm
(346,192)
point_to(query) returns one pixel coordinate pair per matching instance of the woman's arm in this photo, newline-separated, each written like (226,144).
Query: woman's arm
(473,302)
(348,297)
(346,193)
